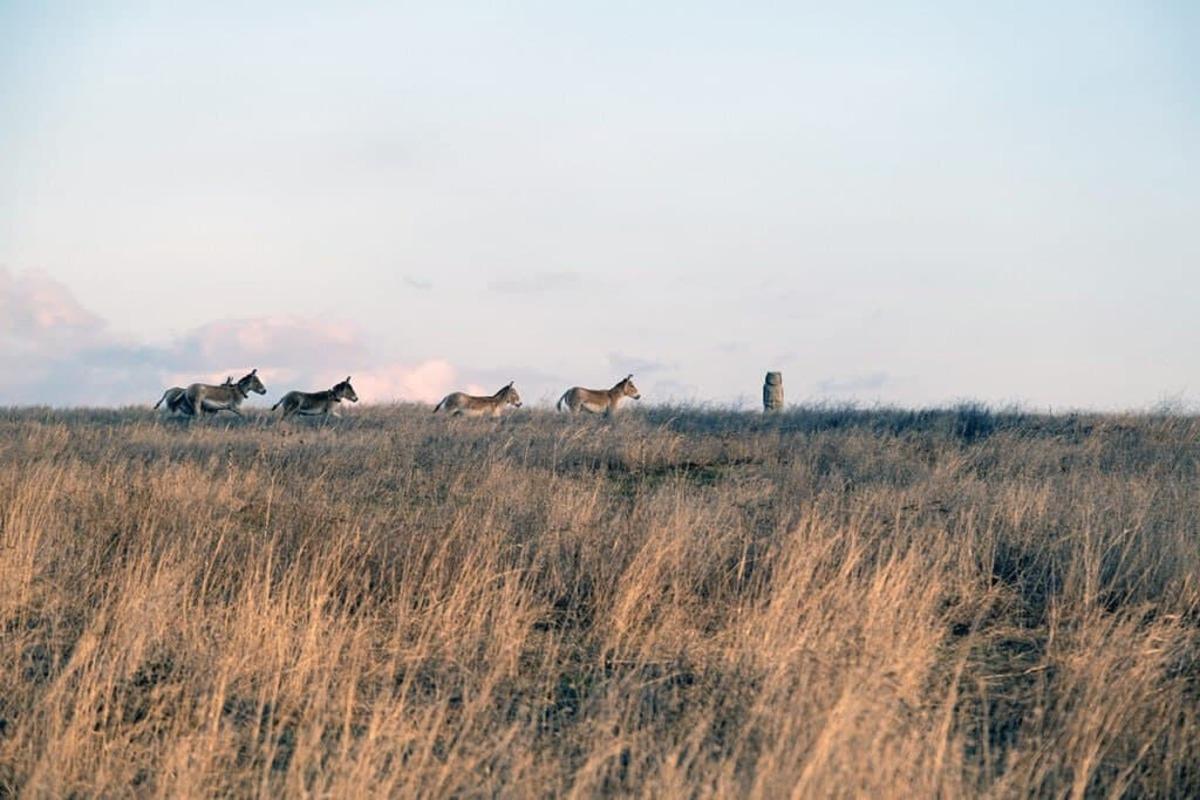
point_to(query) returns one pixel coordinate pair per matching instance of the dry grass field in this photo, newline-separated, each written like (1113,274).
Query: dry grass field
(677,602)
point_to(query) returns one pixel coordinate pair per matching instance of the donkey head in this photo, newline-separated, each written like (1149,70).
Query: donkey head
(628,389)
(509,395)
(251,383)
(344,391)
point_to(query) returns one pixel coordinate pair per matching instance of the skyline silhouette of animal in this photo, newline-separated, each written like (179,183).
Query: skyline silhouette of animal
(469,405)
(324,403)
(176,395)
(598,401)
(203,398)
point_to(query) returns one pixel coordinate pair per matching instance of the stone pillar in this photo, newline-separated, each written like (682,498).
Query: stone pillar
(773,392)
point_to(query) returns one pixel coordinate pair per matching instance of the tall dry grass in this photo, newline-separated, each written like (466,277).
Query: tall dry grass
(675,603)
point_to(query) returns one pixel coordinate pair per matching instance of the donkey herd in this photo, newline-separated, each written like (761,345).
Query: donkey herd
(203,398)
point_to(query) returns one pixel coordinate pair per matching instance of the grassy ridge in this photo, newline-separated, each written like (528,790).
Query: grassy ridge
(828,601)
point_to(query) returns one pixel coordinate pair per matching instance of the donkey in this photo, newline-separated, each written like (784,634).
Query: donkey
(175,397)
(317,403)
(203,398)
(598,401)
(469,405)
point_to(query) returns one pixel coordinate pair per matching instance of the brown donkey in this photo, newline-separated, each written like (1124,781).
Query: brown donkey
(203,398)
(317,403)
(469,405)
(598,401)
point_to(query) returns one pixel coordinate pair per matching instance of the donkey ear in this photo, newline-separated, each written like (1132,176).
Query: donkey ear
(510,383)
(254,371)
(347,379)
(629,377)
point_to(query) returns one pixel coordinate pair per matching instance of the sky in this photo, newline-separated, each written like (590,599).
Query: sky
(902,203)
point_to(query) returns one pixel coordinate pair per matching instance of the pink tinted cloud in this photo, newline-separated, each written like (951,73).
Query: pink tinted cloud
(54,350)
(41,313)
(423,382)
(294,352)
(285,340)
(426,382)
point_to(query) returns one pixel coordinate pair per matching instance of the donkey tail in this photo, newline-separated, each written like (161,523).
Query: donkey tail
(161,399)
(562,400)
(441,404)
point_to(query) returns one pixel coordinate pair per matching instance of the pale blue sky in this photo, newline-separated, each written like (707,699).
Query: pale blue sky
(907,202)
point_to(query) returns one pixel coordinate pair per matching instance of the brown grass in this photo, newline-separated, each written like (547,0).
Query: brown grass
(676,603)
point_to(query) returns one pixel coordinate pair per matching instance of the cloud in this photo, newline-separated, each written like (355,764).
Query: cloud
(619,362)
(426,382)
(288,343)
(42,328)
(40,317)
(871,382)
(539,283)
(670,391)
(420,284)
(54,351)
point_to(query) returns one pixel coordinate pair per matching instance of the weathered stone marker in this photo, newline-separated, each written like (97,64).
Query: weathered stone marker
(773,392)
